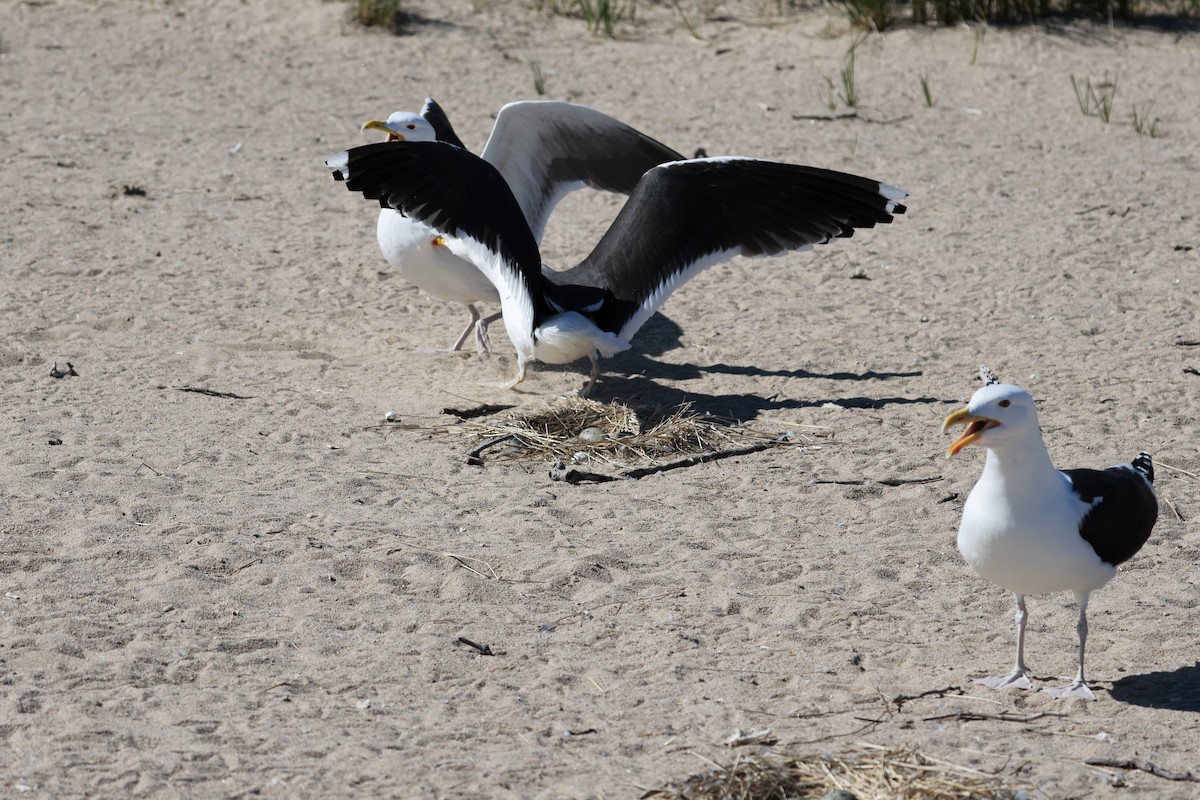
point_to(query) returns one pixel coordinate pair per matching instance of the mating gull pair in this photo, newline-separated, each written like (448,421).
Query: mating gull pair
(682,217)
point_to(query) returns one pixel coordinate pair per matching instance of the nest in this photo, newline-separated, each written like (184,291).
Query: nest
(576,430)
(865,773)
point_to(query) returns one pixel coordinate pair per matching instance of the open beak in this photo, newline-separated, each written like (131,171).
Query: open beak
(380,125)
(975,428)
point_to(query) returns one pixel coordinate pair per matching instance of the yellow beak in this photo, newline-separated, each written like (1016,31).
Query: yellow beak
(975,427)
(380,125)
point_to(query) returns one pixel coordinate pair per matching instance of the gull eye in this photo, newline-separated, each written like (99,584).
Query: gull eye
(1004,403)
(411,127)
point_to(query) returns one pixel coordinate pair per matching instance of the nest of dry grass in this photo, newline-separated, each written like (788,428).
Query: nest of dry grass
(864,773)
(576,430)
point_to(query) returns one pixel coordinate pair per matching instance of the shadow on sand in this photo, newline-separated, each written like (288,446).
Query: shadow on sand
(647,382)
(1178,690)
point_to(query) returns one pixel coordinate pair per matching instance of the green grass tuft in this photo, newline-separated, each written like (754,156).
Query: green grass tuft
(539,77)
(1143,122)
(849,85)
(602,16)
(377,13)
(930,100)
(877,15)
(1095,100)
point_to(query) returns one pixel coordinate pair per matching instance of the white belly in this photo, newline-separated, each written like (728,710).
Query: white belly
(408,247)
(1029,550)
(570,336)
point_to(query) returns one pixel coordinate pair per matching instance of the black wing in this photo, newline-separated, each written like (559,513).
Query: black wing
(1120,523)
(455,193)
(686,216)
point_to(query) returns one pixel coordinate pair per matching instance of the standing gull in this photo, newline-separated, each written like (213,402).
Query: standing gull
(544,150)
(1033,529)
(682,218)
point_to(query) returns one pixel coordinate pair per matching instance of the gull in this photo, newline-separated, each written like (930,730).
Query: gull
(681,218)
(544,150)
(1033,529)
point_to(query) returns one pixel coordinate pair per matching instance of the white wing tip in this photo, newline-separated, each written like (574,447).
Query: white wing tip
(340,164)
(893,194)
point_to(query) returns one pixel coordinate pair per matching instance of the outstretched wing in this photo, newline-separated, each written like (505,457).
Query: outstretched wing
(546,150)
(686,216)
(464,198)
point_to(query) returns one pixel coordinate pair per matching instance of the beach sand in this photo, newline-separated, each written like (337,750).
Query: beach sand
(263,595)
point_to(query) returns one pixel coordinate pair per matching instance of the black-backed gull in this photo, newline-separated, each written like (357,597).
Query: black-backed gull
(545,150)
(681,218)
(1033,529)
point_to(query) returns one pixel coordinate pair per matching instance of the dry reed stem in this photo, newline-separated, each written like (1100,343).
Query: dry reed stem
(869,772)
(621,436)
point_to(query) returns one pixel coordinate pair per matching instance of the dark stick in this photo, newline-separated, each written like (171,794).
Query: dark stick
(484,649)
(473,455)
(970,716)
(883,481)
(561,472)
(901,699)
(1144,766)
(213,393)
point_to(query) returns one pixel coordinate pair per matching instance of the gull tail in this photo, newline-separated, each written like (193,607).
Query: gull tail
(1144,465)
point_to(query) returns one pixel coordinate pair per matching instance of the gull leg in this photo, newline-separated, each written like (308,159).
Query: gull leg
(1019,677)
(433,351)
(1077,688)
(592,376)
(483,345)
(520,375)
(474,312)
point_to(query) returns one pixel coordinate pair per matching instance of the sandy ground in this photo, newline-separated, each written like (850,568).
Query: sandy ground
(217,597)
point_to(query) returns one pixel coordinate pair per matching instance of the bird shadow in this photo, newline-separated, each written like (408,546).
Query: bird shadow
(1177,690)
(647,381)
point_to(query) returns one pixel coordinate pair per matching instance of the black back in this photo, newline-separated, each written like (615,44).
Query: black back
(1121,522)
(442,129)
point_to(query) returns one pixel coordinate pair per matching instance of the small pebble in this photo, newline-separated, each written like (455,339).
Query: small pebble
(390,417)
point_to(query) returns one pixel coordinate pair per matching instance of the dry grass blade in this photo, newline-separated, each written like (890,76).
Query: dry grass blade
(865,772)
(576,430)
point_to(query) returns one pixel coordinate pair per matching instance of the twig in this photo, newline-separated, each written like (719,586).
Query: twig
(1187,342)
(901,699)
(1174,510)
(547,627)
(824,117)
(473,455)
(463,563)
(848,115)
(1144,766)
(560,472)
(882,481)
(484,649)
(462,560)
(1170,468)
(213,392)
(477,411)
(971,716)
(868,726)
(1191,370)
(236,570)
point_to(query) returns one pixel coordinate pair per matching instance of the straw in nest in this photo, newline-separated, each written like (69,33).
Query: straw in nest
(864,773)
(578,430)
